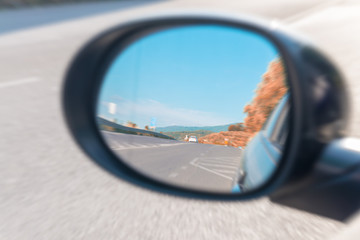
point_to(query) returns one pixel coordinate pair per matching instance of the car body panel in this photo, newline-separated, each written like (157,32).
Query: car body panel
(262,153)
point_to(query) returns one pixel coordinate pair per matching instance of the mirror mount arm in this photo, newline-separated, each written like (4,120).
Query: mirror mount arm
(332,189)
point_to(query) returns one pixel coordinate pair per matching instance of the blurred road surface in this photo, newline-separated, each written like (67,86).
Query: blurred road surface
(50,190)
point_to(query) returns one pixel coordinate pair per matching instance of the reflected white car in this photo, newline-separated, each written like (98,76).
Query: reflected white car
(193,139)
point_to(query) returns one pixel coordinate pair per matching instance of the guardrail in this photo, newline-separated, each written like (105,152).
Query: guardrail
(128,130)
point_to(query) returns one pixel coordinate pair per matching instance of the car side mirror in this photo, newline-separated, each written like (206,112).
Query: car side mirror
(205,106)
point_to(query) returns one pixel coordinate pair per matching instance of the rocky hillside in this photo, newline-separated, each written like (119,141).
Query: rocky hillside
(268,93)
(228,138)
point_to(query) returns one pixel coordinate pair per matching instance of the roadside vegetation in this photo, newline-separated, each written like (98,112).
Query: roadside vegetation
(268,93)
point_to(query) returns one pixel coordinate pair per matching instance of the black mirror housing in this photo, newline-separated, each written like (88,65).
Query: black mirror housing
(318,99)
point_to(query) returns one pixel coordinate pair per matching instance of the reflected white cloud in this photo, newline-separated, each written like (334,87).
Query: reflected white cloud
(142,111)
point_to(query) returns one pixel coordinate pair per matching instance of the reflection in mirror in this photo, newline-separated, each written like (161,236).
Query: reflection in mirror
(203,107)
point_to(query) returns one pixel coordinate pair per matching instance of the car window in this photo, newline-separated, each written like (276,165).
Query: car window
(280,131)
(270,125)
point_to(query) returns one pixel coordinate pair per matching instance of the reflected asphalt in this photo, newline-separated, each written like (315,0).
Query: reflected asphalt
(197,166)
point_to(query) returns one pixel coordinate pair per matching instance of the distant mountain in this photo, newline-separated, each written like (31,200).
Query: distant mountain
(180,135)
(219,128)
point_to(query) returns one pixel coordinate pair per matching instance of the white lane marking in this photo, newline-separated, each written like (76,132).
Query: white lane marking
(113,144)
(131,146)
(307,12)
(169,144)
(224,159)
(172,175)
(112,133)
(224,171)
(194,161)
(138,145)
(184,167)
(19,82)
(209,170)
(218,165)
(220,162)
(127,145)
(23,37)
(152,145)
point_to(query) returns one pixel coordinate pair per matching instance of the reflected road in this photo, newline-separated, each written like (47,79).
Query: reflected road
(199,166)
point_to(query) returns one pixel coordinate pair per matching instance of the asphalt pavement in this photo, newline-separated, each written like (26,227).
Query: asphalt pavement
(50,189)
(196,166)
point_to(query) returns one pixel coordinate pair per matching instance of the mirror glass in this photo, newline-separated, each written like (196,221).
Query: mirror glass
(203,107)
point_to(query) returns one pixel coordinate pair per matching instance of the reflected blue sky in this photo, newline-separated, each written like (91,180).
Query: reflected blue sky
(188,76)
